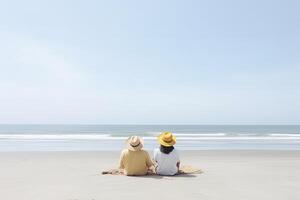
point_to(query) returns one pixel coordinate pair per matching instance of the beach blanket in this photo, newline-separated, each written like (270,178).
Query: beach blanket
(188,169)
(184,169)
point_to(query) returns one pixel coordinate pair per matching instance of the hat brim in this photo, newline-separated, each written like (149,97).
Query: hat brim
(137,148)
(164,143)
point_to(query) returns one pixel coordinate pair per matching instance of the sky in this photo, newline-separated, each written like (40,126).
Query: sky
(150,62)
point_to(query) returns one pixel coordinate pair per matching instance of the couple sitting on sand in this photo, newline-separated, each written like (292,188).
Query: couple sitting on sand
(135,162)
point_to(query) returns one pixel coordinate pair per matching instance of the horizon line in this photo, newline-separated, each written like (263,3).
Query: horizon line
(129,124)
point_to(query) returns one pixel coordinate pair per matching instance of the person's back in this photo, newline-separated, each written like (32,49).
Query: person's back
(134,160)
(166,157)
(167,164)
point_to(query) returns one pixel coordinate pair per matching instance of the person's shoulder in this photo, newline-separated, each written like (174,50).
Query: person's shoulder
(124,151)
(176,154)
(175,151)
(144,152)
(156,150)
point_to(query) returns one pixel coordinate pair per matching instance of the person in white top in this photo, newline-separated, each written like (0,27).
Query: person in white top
(166,156)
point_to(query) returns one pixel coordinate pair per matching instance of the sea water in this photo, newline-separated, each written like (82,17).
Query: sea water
(113,137)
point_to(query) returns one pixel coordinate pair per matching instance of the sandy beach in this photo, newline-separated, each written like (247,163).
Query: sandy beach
(76,176)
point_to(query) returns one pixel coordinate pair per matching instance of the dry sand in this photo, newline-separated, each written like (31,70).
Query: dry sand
(232,175)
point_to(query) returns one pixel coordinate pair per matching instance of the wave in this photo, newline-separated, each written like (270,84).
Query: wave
(54,136)
(218,136)
(285,135)
(199,134)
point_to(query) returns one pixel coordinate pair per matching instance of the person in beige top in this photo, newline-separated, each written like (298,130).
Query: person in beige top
(134,161)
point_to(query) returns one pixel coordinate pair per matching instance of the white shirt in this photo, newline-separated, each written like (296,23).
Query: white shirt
(166,163)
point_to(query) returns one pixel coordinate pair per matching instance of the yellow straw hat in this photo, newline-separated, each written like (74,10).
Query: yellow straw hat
(166,139)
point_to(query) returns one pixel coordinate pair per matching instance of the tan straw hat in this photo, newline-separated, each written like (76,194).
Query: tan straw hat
(166,139)
(135,143)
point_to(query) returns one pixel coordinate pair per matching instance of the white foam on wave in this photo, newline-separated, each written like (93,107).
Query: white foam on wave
(285,135)
(190,134)
(54,136)
(191,137)
(199,134)
(231,138)
(249,134)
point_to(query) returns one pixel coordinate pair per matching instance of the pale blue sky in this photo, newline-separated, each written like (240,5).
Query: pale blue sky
(150,62)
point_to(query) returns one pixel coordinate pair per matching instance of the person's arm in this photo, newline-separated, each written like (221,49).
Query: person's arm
(154,157)
(178,160)
(178,165)
(121,162)
(149,162)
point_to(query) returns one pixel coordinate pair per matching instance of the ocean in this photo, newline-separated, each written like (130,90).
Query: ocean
(112,137)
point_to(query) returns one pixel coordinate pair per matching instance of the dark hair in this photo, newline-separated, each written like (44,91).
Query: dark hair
(166,150)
